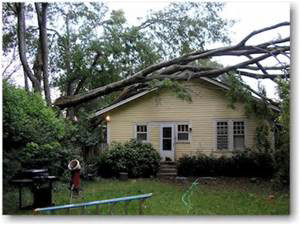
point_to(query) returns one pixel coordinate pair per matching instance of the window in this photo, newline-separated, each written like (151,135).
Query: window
(182,132)
(141,132)
(230,135)
(238,135)
(222,135)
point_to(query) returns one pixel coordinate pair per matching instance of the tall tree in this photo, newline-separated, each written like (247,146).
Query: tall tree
(21,31)
(33,50)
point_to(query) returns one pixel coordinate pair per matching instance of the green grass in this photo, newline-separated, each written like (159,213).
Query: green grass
(223,196)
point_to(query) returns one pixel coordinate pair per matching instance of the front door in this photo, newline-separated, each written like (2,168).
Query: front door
(167,142)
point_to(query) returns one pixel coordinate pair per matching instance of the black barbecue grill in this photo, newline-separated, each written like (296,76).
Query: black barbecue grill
(40,183)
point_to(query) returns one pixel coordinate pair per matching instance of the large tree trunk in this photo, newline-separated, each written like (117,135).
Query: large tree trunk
(22,47)
(41,9)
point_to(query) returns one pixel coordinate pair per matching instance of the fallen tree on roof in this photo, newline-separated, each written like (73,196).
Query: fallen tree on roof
(186,67)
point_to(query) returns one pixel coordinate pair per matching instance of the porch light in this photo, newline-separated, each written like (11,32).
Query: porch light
(107,118)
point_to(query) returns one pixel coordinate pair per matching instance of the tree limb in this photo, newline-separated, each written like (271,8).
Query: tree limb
(180,68)
(243,42)
(260,76)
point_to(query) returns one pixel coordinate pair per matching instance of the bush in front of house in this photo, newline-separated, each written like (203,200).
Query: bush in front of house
(244,164)
(136,158)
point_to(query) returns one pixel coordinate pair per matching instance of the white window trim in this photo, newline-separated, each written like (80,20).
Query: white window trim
(230,134)
(189,132)
(147,134)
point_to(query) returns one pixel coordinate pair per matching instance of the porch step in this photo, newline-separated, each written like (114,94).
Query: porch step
(166,175)
(167,170)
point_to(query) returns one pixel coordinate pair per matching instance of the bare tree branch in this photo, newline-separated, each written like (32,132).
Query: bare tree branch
(261,76)
(7,75)
(266,67)
(243,42)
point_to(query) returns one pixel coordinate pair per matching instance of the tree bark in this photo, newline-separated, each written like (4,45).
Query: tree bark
(41,9)
(26,83)
(22,47)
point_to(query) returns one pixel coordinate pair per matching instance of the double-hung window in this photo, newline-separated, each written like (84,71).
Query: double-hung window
(222,135)
(183,133)
(142,133)
(238,135)
(230,135)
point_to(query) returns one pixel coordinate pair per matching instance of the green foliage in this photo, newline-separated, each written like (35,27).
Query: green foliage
(176,87)
(32,134)
(78,32)
(27,119)
(138,159)
(262,138)
(282,153)
(244,164)
(182,27)
(239,93)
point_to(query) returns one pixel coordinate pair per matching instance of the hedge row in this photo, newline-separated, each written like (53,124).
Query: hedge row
(246,164)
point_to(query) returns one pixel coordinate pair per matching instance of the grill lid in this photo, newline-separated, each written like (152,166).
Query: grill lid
(30,173)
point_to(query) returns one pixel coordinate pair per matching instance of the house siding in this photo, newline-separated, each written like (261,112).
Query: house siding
(208,105)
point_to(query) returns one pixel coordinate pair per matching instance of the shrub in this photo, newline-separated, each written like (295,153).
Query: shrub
(244,164)
(138,159)
(27,119)
(32,134)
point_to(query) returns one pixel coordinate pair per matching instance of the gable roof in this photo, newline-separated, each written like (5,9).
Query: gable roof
(138,95)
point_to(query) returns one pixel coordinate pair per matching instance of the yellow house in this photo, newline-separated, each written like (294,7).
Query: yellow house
(176,127)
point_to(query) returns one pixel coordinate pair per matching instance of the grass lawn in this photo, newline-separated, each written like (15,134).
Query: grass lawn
(223,196)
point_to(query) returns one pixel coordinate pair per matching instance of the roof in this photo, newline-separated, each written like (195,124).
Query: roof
(113,106)
(138,95)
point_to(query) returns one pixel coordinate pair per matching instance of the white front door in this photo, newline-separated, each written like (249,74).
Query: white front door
(167,150)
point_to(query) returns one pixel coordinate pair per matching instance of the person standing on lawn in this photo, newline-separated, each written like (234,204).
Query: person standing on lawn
(74,167)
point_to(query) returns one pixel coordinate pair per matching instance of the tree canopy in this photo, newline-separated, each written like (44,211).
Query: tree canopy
(90,48)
